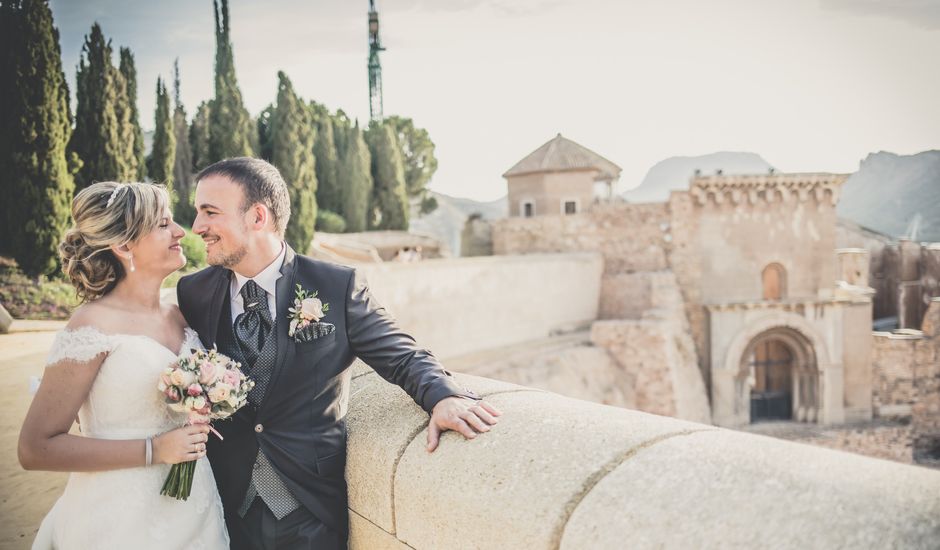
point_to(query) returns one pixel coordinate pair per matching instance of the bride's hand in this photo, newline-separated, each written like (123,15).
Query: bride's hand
(181,445)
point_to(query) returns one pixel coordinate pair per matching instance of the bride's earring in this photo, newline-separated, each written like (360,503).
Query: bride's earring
(132,263)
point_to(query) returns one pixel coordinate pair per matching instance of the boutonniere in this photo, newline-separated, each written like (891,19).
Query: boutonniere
(307,310)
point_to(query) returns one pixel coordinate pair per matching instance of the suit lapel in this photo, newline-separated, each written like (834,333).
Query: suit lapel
(284,294)
(219,295)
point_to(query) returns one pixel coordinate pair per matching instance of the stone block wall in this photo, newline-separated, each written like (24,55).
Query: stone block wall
(926,411)
(893,369)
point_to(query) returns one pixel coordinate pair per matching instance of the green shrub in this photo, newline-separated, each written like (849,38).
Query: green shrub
(194,250)
(330,222)
(34,298)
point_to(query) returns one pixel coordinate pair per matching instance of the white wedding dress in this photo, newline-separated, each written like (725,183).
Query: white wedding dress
(124,508)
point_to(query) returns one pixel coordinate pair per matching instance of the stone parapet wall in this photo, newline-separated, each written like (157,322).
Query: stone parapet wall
(562,473)
(463,305)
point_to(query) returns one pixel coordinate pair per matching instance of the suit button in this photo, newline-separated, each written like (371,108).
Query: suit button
(259,428)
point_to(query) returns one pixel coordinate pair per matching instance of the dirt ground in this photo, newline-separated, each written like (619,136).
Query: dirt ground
(25,497)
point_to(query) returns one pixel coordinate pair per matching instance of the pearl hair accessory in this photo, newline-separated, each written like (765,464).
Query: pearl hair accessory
(115,193)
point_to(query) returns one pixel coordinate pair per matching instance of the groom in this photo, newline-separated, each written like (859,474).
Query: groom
(280,466)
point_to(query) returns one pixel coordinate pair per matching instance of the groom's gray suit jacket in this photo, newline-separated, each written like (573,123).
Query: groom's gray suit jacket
(300,423)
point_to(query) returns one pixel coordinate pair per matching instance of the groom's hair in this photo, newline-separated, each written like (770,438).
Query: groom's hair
(260,181)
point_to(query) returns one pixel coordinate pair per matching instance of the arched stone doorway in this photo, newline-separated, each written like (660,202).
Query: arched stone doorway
(778,368)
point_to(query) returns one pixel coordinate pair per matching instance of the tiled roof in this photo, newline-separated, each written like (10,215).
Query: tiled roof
(561,154)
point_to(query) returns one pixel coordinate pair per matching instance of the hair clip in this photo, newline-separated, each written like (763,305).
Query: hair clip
(115,192)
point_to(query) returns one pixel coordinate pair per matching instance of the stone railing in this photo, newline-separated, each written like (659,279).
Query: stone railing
(562,473)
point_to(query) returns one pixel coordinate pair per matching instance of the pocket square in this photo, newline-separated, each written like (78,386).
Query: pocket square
(313,331)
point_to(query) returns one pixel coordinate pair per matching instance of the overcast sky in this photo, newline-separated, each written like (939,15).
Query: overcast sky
(811,85)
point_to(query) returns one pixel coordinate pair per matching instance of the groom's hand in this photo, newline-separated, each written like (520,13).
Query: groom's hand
(467,416)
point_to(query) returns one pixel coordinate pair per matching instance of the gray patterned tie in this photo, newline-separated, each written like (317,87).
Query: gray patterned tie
(254,332)
(253,329)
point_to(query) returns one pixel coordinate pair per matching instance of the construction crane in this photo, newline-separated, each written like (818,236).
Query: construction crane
(375,67)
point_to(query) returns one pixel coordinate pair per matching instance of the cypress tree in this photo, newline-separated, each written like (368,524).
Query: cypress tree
(230,126)
(329,192)
(390,208)
(35,180)
(341,131)
(355,178)
(292,135)
(199,136)
(103,137)
(185,211)
(162,156)
(129,72)
(264,132)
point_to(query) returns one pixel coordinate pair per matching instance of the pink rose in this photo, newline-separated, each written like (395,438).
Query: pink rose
(231,377)
(194,390)
(208,372)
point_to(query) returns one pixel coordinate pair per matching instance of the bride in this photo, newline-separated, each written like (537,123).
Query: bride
(105,367)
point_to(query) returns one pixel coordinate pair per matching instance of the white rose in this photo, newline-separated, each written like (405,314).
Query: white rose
(312,308)
(189,378)
(219,392)
(199,403)
(177,377)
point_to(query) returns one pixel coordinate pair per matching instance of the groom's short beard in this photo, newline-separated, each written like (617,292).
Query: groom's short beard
(229,260)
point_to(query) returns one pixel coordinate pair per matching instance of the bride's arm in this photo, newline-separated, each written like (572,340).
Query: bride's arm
(45,443)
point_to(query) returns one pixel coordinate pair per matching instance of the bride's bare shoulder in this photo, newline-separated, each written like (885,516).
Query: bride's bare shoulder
(96,315)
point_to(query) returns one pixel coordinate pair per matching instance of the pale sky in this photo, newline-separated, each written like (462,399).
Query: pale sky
(810,85)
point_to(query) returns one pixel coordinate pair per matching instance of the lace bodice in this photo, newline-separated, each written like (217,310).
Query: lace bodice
(123,402)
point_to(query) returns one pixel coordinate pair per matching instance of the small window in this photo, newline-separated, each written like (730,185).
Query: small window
(570,205)
(528,209)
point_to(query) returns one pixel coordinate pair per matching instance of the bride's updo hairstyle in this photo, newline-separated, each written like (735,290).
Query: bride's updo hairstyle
(106,214)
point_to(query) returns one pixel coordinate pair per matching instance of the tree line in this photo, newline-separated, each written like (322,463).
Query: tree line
(341,177)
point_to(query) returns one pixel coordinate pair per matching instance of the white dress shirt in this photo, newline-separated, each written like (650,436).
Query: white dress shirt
(267,280)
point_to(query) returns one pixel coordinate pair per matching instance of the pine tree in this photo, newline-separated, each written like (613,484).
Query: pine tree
(355,178)
(292,135)
(329,192)
(162,156)
(230,127)
(35,181)
(185,211)
(199,136)
(103,137)
(389,208)
(129,72)
(417,151)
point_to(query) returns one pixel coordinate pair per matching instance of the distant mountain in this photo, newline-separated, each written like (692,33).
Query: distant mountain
(447,220)
(898,195)
(674,173)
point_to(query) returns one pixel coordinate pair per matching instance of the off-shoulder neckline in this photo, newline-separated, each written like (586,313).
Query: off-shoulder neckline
(187,333)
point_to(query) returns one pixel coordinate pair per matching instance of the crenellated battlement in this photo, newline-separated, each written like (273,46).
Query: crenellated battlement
(756,188)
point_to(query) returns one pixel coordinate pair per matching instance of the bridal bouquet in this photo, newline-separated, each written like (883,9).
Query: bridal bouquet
(206,385)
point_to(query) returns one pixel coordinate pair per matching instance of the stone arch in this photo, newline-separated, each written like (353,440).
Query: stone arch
(802,375)
(811,355)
